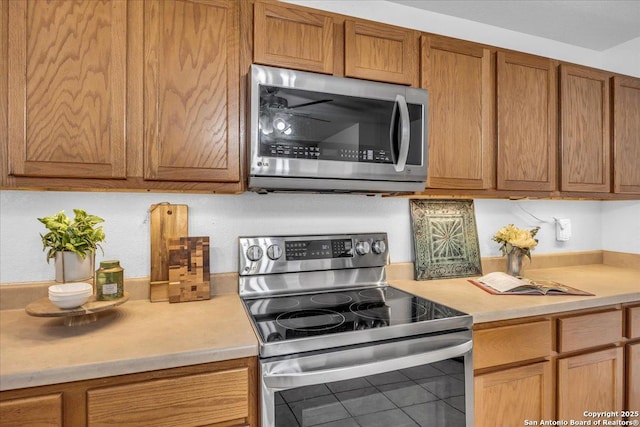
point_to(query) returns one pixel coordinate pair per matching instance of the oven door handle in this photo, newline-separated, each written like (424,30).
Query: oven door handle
(368,366)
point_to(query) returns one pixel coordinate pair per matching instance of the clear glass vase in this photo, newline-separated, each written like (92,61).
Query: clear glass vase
(514,262)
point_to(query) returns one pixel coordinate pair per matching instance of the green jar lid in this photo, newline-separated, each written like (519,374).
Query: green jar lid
(109,264)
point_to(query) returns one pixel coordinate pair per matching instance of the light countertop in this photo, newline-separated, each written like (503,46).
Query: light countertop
(134,337)
(611,285)
(142,336)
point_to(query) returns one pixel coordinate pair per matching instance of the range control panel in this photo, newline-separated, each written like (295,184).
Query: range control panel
(286,254)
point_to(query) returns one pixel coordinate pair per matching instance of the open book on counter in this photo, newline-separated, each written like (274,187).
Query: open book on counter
(499,283)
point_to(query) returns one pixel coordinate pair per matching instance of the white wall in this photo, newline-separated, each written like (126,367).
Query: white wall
(224,218)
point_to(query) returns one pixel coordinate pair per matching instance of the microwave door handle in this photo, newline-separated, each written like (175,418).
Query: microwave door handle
(371,367)
(405,133)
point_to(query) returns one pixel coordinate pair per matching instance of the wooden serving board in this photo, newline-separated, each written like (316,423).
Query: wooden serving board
(74,316)
(168,221)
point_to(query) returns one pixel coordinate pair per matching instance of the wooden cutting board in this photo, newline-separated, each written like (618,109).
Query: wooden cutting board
(168,222)
(189,269)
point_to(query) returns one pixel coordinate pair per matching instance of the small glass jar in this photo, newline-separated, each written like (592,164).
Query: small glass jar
(109,281)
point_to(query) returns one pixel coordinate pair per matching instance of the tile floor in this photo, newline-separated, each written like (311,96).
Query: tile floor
(430,395)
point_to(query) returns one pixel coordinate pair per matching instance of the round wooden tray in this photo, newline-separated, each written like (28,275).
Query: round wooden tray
(82,315)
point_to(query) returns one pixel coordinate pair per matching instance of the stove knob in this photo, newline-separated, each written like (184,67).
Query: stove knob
(363,248)
(274,252)
(379,246)
(254,253)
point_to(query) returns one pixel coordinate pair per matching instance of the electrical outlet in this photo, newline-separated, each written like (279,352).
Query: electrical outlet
(563,229)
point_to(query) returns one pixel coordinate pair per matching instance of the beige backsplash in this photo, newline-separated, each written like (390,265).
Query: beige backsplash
(19,295)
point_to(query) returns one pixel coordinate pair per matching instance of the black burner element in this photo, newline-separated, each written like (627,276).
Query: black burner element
(310,320)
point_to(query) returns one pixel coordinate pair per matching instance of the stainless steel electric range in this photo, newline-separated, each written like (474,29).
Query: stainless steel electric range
(340,347)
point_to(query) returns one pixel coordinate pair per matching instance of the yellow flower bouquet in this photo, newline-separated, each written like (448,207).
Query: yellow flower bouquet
(511,237)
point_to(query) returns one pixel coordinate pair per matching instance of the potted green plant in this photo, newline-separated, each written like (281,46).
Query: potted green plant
(72,244)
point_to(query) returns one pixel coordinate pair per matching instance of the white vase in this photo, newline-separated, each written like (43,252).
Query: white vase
(71,267)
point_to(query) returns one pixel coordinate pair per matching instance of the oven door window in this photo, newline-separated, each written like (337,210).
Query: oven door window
(427,395)
(299,124)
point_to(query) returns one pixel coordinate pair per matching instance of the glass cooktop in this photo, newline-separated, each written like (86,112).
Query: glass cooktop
(288,318)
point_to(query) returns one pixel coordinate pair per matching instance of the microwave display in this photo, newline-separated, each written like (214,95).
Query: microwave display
(299,124)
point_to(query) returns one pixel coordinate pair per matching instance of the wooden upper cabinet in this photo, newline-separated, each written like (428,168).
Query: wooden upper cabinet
(527,122)
(458,76)
(584,130)
(375,51)
(295,37)
(191,84)
(66,86)
(626,135)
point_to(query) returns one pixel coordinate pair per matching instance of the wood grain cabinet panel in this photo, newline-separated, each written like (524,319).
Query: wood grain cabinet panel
(509,344)
(290,36)
(585,133)
(193,400)
(589,330)
(32,411)
(633,322)
(626,128)
(592,380)
(67,88)
(459,78)
(527,122)
(191,84)
(375,51)
(510,396)
(633,376)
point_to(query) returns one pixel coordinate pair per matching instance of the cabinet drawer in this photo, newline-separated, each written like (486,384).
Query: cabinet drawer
(633,322)
(40,411)
(589,330)
(200,399)
(514,343)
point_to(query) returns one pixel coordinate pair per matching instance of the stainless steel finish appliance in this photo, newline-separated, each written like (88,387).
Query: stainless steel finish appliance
(339,345)
(320,133)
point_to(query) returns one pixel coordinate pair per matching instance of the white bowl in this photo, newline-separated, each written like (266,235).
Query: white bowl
(68,289)
(70,301)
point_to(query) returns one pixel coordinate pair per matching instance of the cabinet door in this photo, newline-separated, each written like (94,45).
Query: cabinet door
(626,128)
(461,147)
(381,52)
(527,124)
(32,411)
(67,93)
(633,376)
(193,400)
(592,380)
(290,36)
(584,130)
(191,83)
(510,396)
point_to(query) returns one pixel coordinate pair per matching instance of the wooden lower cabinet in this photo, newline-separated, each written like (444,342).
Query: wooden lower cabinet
(510,396)
(202,399)
(220,394)
(32,411)
(556,367)
(633,376)
(592,381)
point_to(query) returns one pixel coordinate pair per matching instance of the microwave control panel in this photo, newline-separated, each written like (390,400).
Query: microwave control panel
(325,152)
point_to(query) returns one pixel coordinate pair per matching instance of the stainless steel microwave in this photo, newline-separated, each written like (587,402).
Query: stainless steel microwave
(319,133)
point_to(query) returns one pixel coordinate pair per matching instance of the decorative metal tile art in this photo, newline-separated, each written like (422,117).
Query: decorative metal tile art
(445,239)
